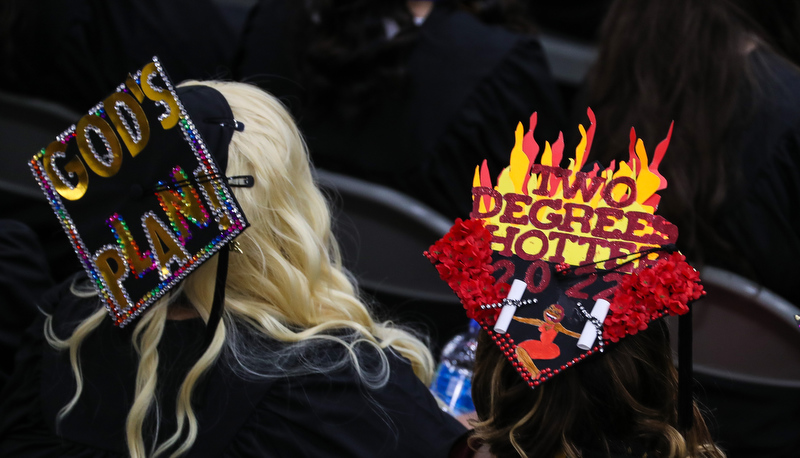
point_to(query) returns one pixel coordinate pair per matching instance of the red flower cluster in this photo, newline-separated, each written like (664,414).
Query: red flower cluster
(463,258)
(651,293)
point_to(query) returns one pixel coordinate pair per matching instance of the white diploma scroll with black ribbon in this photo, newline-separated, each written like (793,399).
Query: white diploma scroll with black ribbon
(589,334)
(507,314)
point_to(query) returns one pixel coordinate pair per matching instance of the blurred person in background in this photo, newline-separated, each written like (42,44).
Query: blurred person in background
(52,49)
(726,72)
(409,94)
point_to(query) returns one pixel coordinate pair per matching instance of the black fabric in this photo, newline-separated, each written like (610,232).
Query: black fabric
(213,117)
(468,86)
(632,450)
(37,214)
(23,277)
(76,52)
(574,19)
(759,216)
(750,420)
(314,415)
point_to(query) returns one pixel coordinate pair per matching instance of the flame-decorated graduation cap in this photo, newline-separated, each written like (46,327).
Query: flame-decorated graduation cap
(555,263)
(139,187)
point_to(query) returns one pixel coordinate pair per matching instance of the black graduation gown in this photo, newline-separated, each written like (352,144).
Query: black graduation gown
(312,415)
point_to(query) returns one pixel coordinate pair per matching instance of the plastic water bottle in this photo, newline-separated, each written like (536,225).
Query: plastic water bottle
(453,381)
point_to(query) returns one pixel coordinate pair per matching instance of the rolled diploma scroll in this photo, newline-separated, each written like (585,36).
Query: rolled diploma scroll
(589,334)
(507,314)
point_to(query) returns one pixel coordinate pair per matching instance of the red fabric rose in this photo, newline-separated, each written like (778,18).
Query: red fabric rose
(463,258)
(665,288)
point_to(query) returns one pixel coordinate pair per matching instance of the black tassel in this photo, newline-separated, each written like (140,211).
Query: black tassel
(685,378)
(219,297)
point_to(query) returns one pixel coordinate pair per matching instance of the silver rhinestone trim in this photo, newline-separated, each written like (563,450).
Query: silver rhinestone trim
(136,131)
(106,159)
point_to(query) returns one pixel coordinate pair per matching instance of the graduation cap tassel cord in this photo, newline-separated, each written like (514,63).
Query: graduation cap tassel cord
(685,379)
(218,304)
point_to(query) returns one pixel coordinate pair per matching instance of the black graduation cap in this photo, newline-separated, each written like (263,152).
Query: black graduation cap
(139,187)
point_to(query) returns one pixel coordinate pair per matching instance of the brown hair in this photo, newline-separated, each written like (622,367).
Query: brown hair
(624,398)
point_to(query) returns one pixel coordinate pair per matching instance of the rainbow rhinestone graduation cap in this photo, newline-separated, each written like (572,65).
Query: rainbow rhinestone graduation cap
(555,263)
(139,189)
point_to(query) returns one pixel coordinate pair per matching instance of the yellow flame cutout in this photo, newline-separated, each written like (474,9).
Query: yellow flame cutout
(630,229)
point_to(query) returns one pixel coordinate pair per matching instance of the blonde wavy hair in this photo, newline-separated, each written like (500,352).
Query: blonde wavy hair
(288,286)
